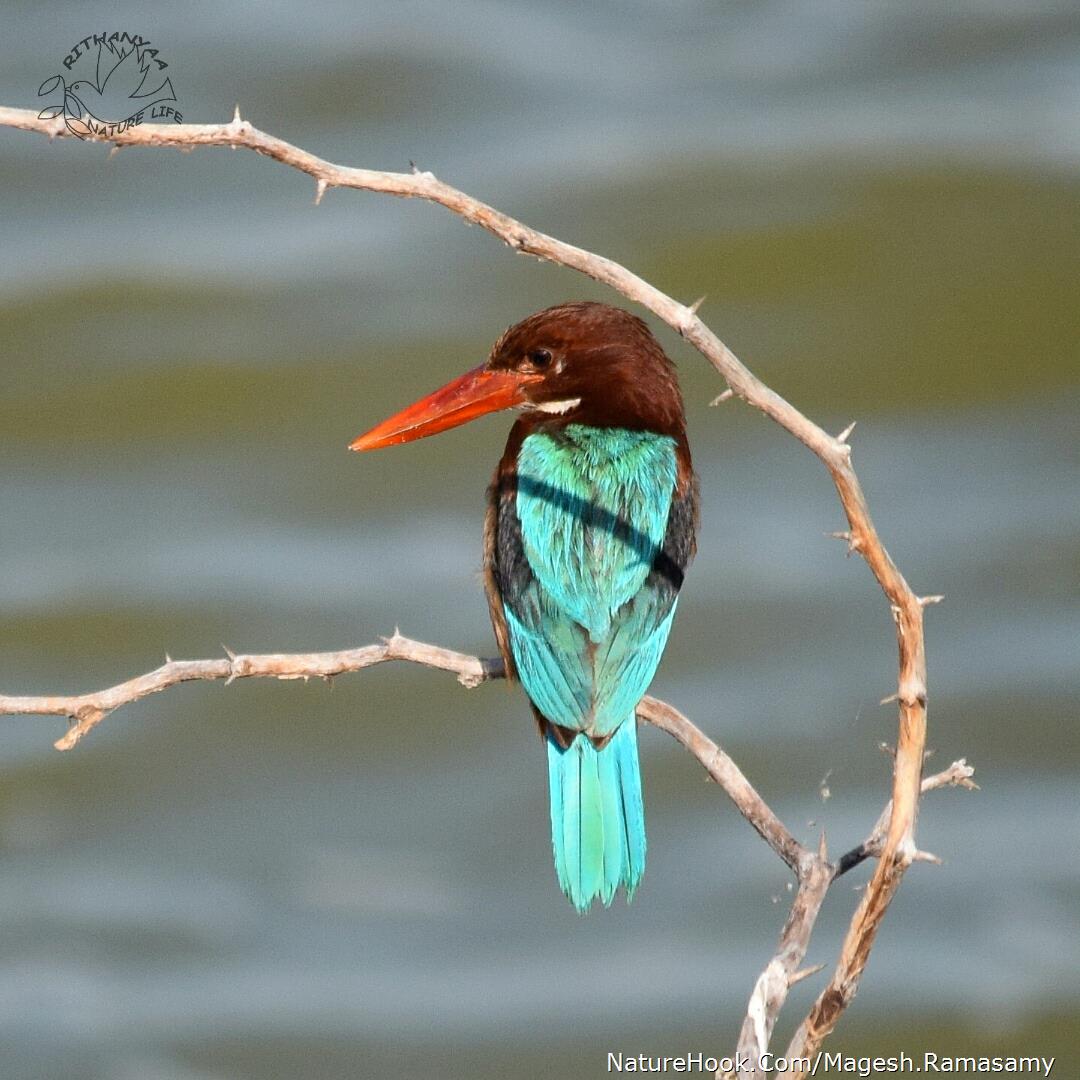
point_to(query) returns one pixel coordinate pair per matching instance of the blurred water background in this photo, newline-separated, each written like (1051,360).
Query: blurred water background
(881,202)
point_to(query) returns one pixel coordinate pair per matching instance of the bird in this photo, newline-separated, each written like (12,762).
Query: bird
(116,92)
(591,524)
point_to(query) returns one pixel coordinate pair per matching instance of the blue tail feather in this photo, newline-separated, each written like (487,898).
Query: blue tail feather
(633,809)
(597,816)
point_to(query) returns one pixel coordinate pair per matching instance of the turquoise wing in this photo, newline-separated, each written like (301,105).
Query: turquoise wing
(584,575)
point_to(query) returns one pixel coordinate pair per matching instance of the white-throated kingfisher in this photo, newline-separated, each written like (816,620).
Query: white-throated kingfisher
(590,526)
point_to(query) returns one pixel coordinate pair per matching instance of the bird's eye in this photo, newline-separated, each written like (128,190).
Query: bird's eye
(540,358)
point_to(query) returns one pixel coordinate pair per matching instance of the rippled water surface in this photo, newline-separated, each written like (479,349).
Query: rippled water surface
(880,203)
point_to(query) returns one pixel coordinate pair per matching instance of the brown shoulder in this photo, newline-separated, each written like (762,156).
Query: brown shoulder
(497,494)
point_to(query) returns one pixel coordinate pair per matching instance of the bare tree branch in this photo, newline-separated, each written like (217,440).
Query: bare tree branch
(896,848)
(855,950)
(958,774)
(730,777)
(783,970)
(86,711)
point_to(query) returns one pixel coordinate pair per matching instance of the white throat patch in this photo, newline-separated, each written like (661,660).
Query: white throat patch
(556,407)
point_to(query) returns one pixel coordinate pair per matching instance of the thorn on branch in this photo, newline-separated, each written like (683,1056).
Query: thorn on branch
(852,541)
(423,174)
(926,601)
(234,673)
(888,700)
(926,856)
(236,121)
(689,316)
(320,190)
(806,973)
(720,398)
(846,433)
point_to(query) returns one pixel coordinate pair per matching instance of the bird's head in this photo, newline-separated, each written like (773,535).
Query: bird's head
(583,362)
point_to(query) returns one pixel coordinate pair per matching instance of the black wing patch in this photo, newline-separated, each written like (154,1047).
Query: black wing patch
(513,574)
(680,543)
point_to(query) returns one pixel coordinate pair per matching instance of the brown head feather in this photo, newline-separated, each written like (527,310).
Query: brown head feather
(601,356)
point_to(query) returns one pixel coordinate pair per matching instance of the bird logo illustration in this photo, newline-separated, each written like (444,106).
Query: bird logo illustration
(113,85)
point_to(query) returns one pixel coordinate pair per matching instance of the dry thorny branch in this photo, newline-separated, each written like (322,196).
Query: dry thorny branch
(891,841)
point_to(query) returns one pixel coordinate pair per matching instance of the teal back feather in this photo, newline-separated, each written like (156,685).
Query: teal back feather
(593,504)
(588,631)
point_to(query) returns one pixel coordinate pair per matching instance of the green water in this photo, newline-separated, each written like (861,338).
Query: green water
(302,881)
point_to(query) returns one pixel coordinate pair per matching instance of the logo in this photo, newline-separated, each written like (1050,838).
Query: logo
(110,82)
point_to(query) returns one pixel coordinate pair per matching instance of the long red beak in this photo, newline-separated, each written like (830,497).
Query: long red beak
(474,394)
